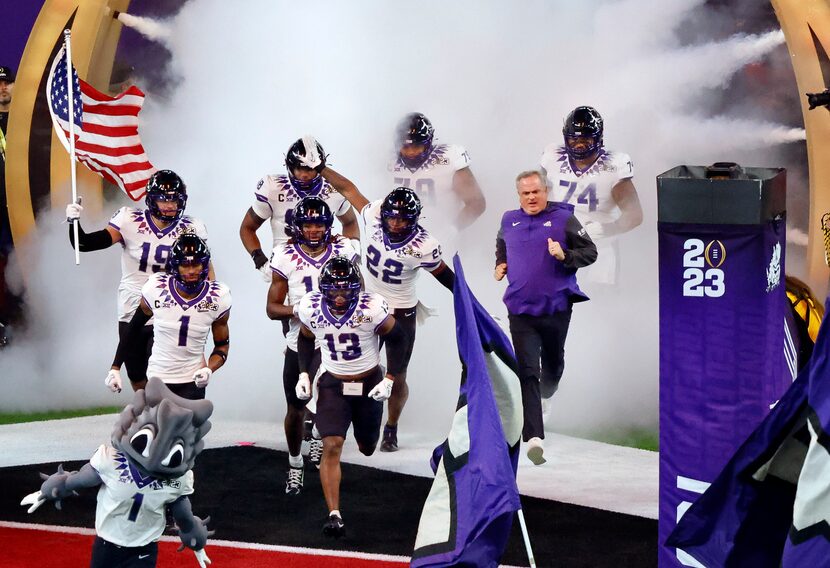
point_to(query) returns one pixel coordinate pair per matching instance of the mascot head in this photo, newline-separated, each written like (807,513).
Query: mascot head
(160,432)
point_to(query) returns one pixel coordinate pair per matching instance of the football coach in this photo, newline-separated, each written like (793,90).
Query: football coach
(539,248)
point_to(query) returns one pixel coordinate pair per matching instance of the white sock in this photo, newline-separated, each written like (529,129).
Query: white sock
(335,512)
(295,461)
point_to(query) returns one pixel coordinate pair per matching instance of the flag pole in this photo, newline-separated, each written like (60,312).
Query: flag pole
(70,88)
(526,538)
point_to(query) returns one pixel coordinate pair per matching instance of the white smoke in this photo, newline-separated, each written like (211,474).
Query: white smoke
(152,29)
(497,77)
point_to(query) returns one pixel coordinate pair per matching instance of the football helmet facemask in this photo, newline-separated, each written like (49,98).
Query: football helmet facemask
(401,204)
(415,129)
(189,249)
(340,284)
(293,164)
(583,122)
(165,185)
(311,210)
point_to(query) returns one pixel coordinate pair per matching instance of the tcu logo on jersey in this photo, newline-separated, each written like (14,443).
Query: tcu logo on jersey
(698,280)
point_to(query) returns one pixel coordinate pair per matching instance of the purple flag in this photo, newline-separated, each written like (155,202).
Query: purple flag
(770,506)
(468,514)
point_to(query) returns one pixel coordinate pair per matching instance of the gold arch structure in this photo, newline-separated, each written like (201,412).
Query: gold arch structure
(806,26)
(37,167)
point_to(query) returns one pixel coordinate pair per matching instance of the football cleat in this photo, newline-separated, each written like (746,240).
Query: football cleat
(334,526)
(390,439)
(294,483)
(315,451)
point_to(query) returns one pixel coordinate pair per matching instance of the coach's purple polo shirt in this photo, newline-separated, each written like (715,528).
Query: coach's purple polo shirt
(538,283)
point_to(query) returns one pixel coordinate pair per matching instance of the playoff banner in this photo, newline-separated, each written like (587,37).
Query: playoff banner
(722,299)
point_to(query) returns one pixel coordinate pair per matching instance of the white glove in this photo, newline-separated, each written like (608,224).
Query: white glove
(202,377)
(312,158)
(382,390)
(113,380)
(303,387)
(267,273)
(73,211)
(202,557)
(35,499)
(595,230)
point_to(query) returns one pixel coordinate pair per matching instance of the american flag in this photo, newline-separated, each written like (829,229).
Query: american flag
(106,128)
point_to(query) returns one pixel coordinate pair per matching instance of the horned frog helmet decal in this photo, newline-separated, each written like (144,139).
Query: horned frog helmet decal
(161,432)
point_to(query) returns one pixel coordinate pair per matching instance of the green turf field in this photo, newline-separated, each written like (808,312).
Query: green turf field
(641,438)
(17,417)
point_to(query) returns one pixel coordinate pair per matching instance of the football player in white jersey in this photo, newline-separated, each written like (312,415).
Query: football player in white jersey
(146,237)
(397,247)
(296,267)
(597,182)
(186,306)
(146,469)
(439,173)
(347,323)
(276,195)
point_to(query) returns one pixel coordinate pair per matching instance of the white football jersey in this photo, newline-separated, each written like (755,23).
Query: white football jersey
(349,344)
(302,273)
(588,191)
(275,197)
(393,267)
(130,509)
(432,181)
(145,249)
(181,326)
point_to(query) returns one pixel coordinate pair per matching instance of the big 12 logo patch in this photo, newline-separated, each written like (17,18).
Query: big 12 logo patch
(702,275)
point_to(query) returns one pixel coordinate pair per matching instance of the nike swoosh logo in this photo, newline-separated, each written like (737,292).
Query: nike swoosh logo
(143,556)
(517,223)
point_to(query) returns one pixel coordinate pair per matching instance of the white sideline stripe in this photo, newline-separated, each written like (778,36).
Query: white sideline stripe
(228,543)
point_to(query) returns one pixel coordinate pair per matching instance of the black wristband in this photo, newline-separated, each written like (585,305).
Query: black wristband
(259,258)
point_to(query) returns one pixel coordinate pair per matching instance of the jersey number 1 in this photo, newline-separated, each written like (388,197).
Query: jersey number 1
(183,329)
(138,499)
